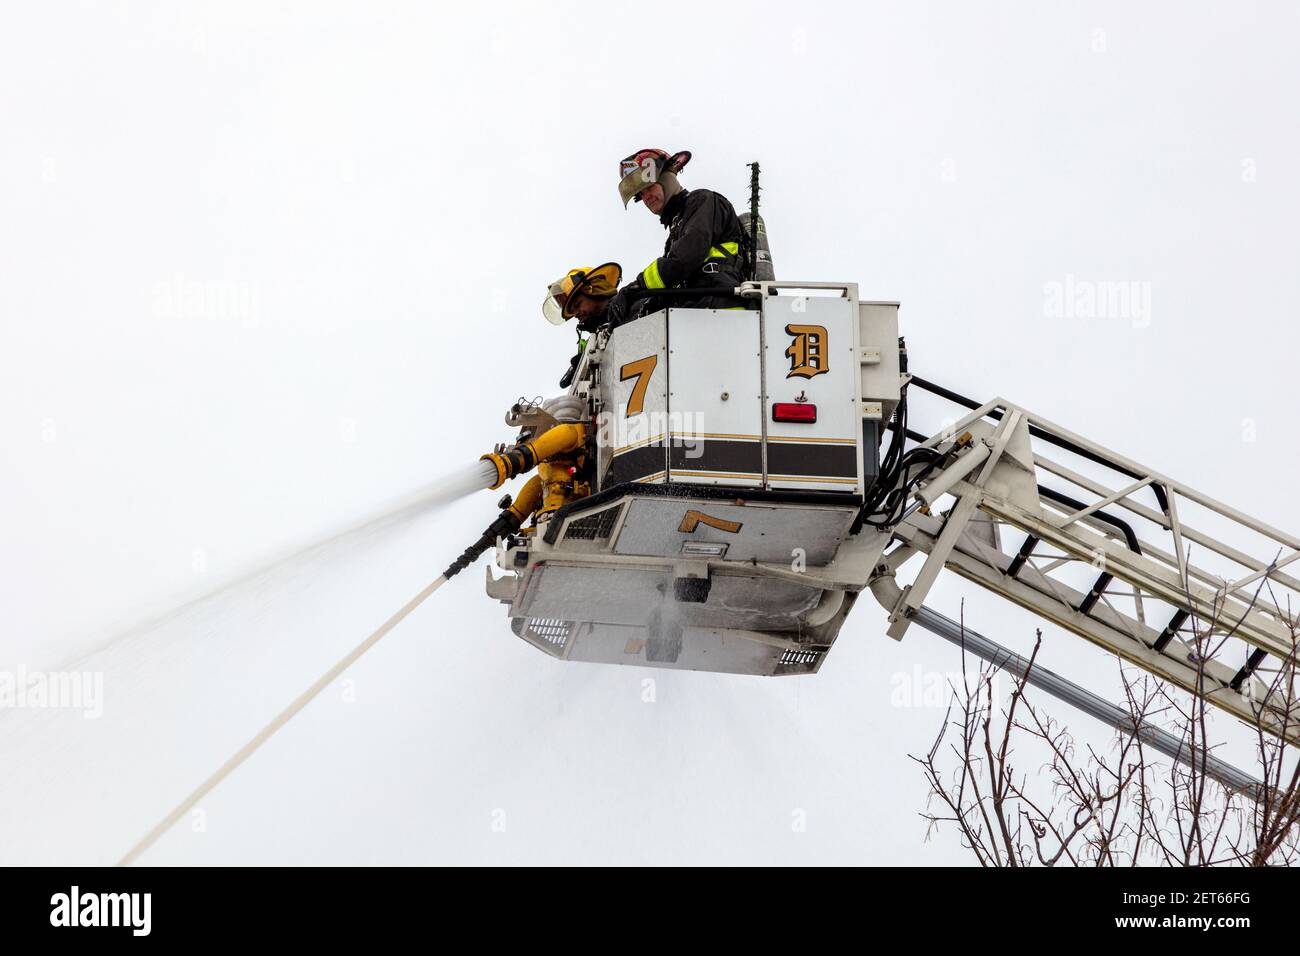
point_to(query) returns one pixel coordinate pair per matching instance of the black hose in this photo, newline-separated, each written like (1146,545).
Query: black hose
(506,523)
(719,291)
(1126,529)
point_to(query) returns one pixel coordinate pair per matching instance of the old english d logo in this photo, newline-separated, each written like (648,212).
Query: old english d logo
(807,353)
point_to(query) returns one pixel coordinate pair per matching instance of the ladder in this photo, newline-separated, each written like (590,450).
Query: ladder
(1183,586)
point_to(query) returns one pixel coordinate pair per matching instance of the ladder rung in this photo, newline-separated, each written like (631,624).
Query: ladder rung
(1256,658)
(1022,555)
(1172,628)
(1103,581)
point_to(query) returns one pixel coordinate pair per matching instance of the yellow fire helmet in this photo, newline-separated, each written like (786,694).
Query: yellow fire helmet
(561,300)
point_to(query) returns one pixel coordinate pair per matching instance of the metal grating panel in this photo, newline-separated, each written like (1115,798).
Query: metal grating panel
(592,527)
(550,630)
(791,656)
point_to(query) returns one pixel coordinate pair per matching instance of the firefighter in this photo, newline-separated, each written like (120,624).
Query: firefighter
(583,294)
(705,240)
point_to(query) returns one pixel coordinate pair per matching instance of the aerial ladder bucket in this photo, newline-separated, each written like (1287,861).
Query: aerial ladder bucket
(752,471)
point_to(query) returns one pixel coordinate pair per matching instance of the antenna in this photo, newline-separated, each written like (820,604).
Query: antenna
(751,265)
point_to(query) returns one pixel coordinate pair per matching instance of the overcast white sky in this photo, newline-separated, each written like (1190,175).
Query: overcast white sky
(374,196)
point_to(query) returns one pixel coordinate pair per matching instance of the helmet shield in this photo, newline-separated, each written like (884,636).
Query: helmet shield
(637,175)
(553,310)
(642,169)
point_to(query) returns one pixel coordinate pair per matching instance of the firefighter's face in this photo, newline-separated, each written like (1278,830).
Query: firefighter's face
(653,197)
(585,306)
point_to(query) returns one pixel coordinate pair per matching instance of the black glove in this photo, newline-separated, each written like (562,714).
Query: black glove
(617,310)
(567,379)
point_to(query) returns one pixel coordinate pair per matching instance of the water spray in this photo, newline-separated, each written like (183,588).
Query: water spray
(481,475)
(557,452)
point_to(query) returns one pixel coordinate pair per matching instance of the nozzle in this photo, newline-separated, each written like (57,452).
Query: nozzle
(503,469)
(510,462)
(506,523)
(525,456)
(511,519)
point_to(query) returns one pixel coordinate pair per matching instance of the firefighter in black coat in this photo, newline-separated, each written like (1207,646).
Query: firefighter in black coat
(705,247)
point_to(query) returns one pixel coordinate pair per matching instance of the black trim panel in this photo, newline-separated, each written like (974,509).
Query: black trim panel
(718,454)
(809,458)
(636,463)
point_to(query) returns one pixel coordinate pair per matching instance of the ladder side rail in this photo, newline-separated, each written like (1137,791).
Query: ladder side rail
(1142,511)
(988,567)
(1233,514)
(1214,681)
(998,407)
(1255,568)
(1253,618)
(1155,578)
